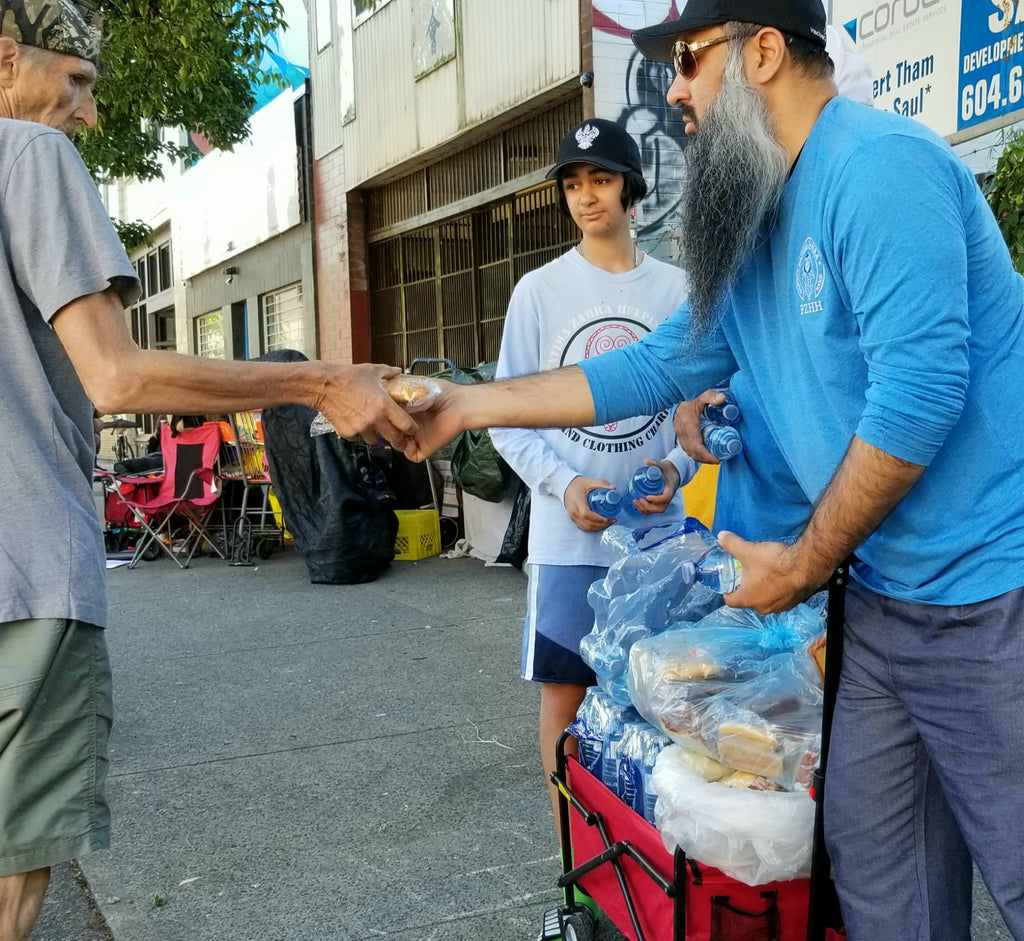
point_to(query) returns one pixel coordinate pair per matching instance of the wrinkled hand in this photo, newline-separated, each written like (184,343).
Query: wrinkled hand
(686,425)
(439,424)
(576,506)
(775,577)
(355,402)
(660,501)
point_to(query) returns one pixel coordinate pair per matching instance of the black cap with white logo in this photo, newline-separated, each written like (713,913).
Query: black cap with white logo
(601,142)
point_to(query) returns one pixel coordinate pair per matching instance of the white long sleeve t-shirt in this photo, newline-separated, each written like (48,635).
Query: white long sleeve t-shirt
(563,313)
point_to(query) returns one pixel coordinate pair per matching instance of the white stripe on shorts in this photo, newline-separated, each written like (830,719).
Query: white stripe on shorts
(531,618)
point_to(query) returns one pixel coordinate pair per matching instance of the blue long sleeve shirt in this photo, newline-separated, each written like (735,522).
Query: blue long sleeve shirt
(882,304)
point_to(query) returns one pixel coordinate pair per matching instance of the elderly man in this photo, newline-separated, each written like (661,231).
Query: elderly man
(845,263)
(64,282)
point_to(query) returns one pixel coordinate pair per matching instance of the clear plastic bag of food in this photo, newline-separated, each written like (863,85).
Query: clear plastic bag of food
(771,725)
(671,674)
(723,691)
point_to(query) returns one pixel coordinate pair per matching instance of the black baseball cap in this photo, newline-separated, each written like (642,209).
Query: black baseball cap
(804,18)
(600,142)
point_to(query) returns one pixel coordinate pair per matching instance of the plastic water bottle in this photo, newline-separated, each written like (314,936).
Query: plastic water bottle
(596,653)
(723,441)
(638,750)
(616,688)
(719,571)
(606,652)
(610,756)
(728,413)
(598,721)
(648,481)
(605,502)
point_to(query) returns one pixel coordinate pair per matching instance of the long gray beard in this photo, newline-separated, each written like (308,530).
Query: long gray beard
(736,170)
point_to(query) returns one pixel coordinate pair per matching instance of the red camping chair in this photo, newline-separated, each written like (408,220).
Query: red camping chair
(183,498)
(121,528)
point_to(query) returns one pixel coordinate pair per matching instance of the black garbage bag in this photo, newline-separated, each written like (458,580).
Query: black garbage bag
(409,481)
(344,526)
(517,533)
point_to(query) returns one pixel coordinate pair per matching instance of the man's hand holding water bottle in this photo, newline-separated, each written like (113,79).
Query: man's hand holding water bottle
(686,424)
(775,576)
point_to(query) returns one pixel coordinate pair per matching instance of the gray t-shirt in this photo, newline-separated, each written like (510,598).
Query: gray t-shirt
(58,245)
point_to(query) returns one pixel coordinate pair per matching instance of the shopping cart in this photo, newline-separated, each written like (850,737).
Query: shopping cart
(449,526)
(257,528)
(618,858)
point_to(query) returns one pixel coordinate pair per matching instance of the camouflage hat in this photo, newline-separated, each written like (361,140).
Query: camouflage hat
(68,26)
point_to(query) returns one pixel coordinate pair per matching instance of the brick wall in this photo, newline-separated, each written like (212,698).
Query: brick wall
(342,304)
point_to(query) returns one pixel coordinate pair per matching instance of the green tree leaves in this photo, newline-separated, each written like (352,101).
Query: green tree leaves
(175,63)
(1005,194)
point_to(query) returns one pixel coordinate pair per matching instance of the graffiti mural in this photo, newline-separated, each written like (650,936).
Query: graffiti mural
(433,43)
(631,90)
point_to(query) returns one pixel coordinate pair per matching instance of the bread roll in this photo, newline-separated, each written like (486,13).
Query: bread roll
(407,390)
(413,393)
(752,782)
(749,749)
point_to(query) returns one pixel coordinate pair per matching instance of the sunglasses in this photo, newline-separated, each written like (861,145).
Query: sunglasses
(683,57)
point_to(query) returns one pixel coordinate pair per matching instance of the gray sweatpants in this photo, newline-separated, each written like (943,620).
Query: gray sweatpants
(926,767)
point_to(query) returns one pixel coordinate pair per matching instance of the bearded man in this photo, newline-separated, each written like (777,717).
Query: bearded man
(846,263)
(64,283)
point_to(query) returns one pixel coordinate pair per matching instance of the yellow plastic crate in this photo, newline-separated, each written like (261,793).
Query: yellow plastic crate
(419,534)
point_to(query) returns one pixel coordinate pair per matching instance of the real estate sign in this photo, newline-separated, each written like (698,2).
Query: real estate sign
(957,67)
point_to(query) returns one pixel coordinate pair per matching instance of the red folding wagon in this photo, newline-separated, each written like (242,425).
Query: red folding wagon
(650,894)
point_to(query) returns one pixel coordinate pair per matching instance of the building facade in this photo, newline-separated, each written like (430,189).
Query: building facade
(430,158)
(242,228)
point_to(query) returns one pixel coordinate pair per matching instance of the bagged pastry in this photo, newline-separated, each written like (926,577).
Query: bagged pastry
(413,393)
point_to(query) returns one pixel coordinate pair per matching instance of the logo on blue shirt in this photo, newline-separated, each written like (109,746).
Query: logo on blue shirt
(810,277)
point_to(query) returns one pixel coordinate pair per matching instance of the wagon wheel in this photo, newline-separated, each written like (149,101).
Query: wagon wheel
(579,926)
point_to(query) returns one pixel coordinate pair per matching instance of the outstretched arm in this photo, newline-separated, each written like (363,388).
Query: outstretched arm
(118,376)
(639,379)
(556,399)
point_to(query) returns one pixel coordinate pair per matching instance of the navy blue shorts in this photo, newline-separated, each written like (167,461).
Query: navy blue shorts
(557,618)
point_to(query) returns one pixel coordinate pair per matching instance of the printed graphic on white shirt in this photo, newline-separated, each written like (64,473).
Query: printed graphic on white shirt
(591,336)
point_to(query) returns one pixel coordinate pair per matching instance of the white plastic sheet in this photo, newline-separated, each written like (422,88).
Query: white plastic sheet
(753,836)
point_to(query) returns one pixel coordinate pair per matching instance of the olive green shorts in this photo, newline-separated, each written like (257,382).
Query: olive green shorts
(56,710)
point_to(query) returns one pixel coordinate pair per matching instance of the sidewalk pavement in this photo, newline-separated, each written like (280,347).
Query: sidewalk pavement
(293,762)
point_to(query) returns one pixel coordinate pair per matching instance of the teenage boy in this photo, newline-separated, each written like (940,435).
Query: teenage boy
(601,295)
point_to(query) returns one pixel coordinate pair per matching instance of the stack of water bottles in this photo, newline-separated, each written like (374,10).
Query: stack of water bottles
(619,748)
(718,427)
(652,582)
